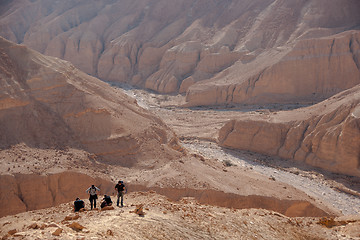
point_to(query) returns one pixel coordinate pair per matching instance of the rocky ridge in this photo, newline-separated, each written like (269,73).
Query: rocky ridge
(214,50)
(326,135)
(312,71)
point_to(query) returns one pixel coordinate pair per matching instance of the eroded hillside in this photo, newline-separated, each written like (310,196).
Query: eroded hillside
(325,135)
(46,102)
(218,52)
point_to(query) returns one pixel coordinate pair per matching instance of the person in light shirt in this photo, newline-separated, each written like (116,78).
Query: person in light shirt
(93,195)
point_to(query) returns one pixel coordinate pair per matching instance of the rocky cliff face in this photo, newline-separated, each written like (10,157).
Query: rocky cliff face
(169,46)
(46,102)
(313,70)
(50,190)
(326,135)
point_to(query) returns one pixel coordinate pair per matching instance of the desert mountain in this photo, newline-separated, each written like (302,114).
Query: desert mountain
(46,102)
(219,52)
(325,135)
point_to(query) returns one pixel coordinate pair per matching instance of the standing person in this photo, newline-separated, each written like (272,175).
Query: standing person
(93,196)
(120,187)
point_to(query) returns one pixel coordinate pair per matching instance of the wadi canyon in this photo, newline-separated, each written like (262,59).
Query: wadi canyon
(244,111)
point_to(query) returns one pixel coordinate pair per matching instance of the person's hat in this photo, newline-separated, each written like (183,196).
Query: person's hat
(77,198)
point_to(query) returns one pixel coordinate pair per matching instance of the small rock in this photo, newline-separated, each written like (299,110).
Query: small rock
(20,234)
(76,226)
(12,232)
(57,232)
(69,218)
(139,210)
(107,208)
(109,232)
(34,226)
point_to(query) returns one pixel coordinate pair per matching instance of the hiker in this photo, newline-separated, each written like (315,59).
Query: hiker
(93,196)
(106,201)
(120,187)
(78,205)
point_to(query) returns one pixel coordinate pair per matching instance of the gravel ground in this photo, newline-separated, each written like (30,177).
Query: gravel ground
(312,183)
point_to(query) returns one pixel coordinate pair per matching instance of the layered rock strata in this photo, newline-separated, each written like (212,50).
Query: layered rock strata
(326,135)
(313,70)
(169,46)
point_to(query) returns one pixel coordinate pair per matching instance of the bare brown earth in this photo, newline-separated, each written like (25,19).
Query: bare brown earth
(249,51)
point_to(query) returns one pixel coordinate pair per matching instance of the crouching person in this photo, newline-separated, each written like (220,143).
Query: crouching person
(106,201)
(79,205)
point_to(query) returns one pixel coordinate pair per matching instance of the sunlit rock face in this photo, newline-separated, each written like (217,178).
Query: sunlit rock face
(326,135)
(313,70)
(46,102)
(51,190)
(218,52)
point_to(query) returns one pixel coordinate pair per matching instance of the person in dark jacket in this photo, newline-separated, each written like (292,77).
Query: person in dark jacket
(78,205)
(106,201)
(121,190)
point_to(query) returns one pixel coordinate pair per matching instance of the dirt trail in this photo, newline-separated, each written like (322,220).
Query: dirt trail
(197,128)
